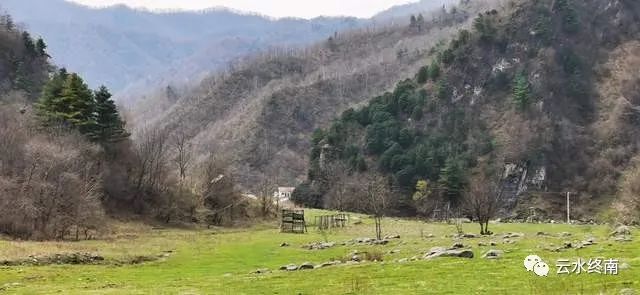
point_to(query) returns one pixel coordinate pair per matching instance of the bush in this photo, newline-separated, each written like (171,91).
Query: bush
(423,75)
(434,71)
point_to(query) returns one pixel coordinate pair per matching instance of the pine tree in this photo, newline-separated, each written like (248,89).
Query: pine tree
(412,22)
(452,180)
(521,91)
(420,22)
(109,127)
(29,46)
(79,103)
(423,75)
(49,108)
(434,71)
(41,47)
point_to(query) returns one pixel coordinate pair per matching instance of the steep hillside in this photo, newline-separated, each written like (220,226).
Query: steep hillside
(117,46)
(545,92)
(262,112)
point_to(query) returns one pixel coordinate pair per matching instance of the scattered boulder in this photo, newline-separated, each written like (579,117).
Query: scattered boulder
(394,251)
(391,237)
(380,242)
(513,235)
(482,244)
(328,263)
(628,291)
(622,230)
(623,239)
(624,266)
(289,267)
(403,260)
(441,252)
(356,258)
(284,244)
(306,265)
(319,245)
(493,254)
(262,271)
(457,246)
(469,236)
(430,236)
(588,242)
(542,234)
(567,245)
(565,234)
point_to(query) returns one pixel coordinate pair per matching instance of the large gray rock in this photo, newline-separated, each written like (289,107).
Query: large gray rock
(328,263)
(513,235)
(457,246)
(306,265)
(622,230)
(434,253)
(289,267)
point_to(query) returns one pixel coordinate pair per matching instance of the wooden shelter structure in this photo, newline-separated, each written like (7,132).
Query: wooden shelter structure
(293,221)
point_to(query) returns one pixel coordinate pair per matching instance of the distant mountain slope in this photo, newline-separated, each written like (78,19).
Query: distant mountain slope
(118,45)
(422,6)
(260,114)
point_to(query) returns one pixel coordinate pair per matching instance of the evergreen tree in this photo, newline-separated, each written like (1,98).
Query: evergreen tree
(442,90)
(413,21)
(49,107)
(8,23)
(423,75)
(41,47)
(79,103)
(420,21)
(29,46)
(521,91)
(109,127)
(434,71)
(452,180)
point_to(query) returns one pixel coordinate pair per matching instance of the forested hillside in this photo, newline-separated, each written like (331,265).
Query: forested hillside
(67,163)
(260,114)
(549,87)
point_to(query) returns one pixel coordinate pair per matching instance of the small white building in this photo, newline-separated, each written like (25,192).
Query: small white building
(283,193)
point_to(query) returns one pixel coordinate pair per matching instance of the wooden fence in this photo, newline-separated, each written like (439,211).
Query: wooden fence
(325,222)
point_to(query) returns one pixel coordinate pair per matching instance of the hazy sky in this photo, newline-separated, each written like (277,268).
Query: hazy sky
(275,8)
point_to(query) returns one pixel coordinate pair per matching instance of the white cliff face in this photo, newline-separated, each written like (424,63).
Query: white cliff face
(519,178)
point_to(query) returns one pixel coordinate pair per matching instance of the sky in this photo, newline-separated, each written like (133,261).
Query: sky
(274,8)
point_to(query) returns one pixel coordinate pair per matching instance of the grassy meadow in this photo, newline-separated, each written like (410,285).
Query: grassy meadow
(223,261)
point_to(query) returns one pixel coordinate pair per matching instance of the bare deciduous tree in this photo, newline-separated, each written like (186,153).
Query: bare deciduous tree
(483,196)
(337,174)
(150,166)
(183,152)
(377,196)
